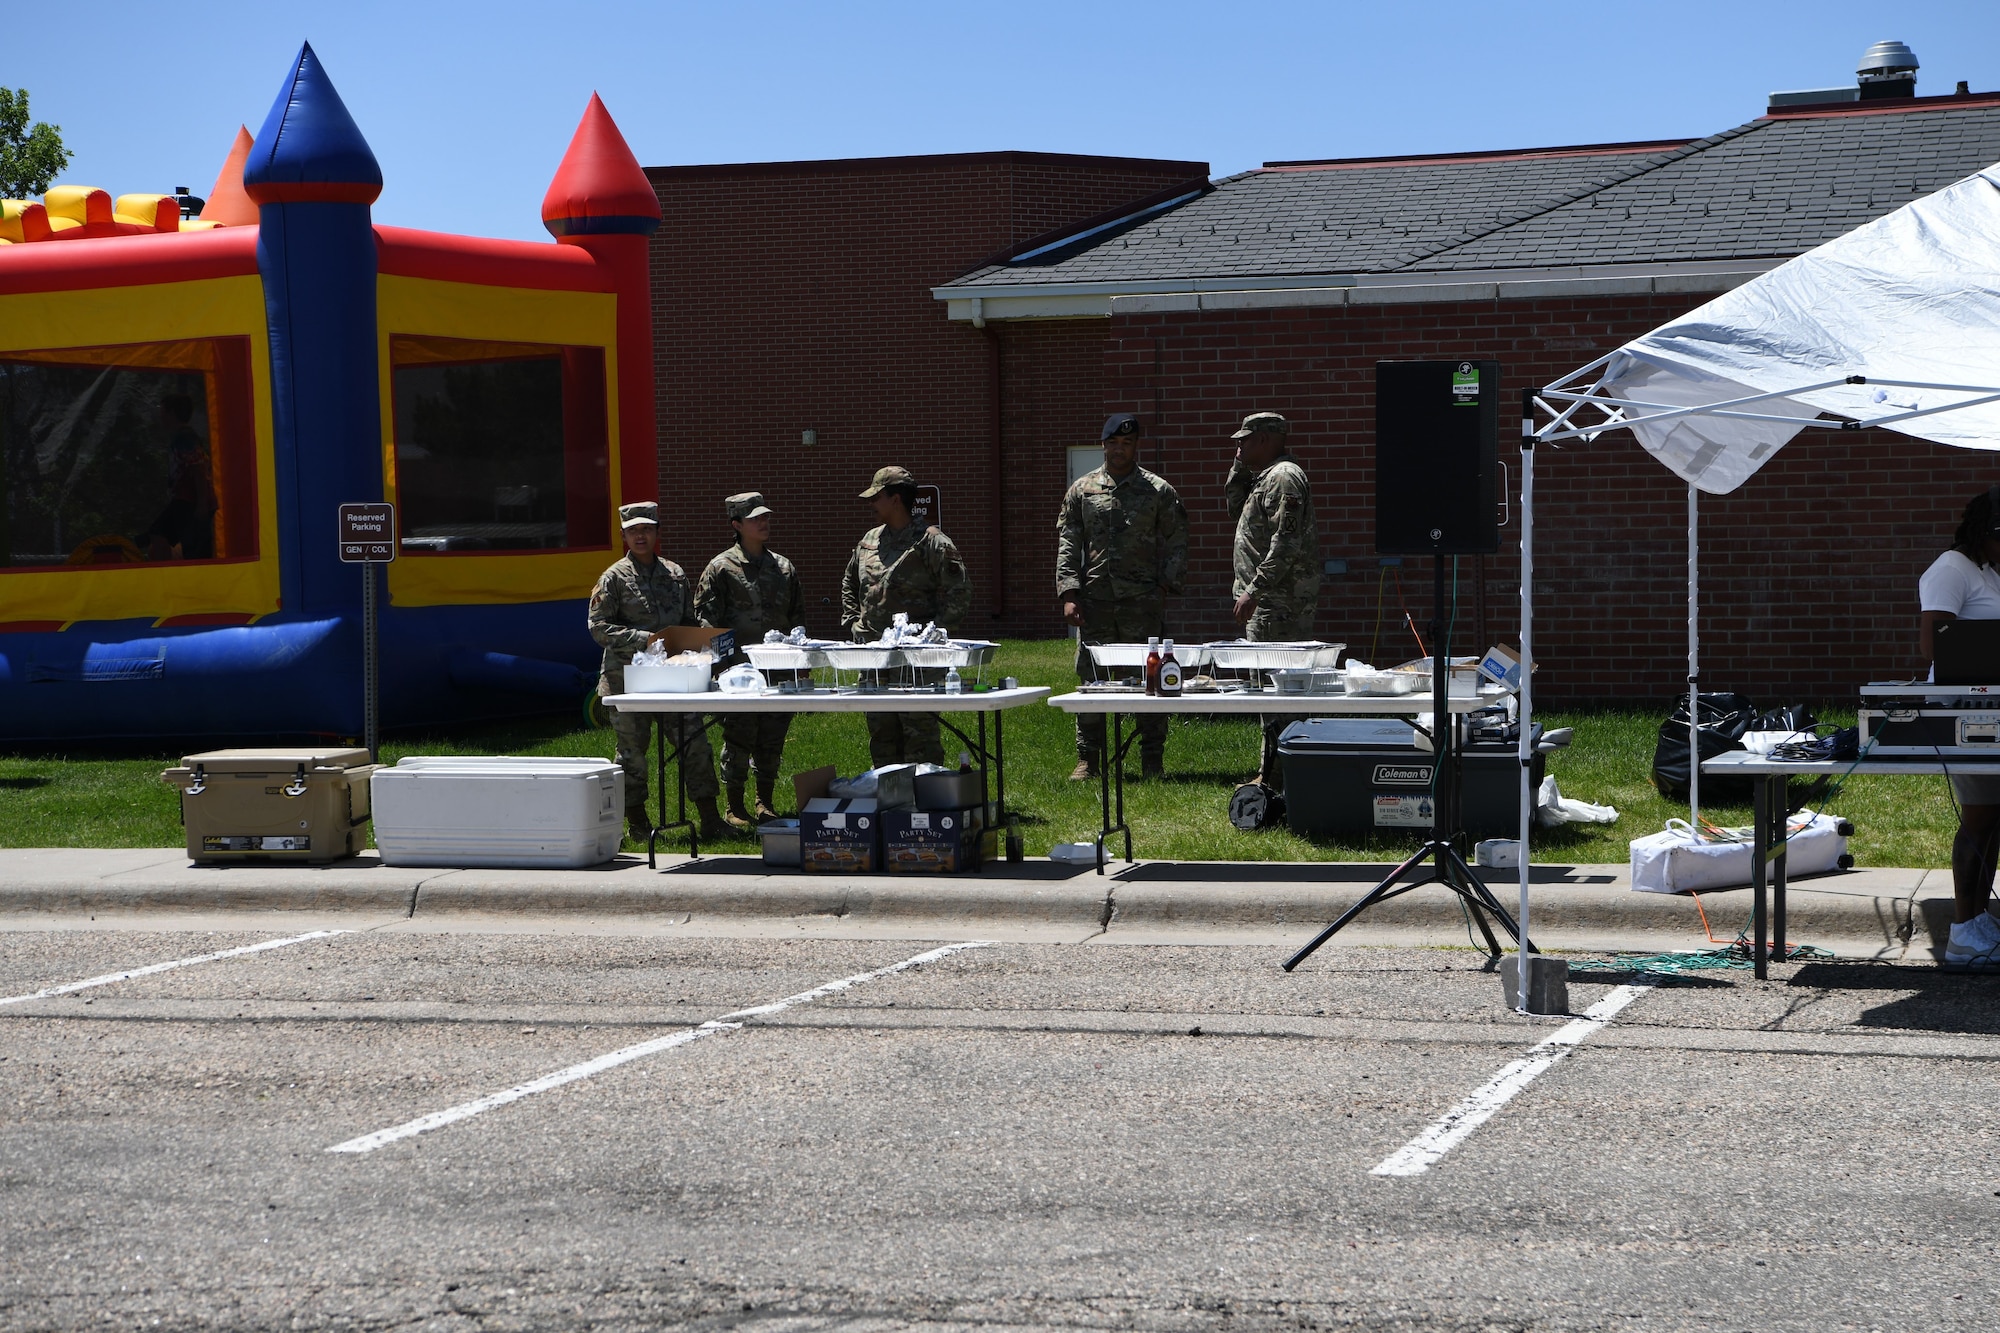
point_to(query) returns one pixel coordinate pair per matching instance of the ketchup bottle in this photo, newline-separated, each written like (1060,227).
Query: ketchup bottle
(1153,665)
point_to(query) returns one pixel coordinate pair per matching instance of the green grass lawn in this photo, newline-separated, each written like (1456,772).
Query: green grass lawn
(85,800)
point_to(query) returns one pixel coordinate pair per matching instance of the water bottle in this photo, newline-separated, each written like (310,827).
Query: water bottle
(952,683)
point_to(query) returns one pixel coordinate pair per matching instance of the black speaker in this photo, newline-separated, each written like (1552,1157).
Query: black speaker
(1437,426)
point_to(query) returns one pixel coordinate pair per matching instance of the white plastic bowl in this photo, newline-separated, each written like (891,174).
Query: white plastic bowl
(643,678)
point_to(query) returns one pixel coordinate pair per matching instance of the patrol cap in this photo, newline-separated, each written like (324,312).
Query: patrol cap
(1119,423)
(747,505)
(1263,421)
(632,515)
(887,477)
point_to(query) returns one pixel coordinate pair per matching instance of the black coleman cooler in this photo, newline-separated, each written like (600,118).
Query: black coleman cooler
(1350,778)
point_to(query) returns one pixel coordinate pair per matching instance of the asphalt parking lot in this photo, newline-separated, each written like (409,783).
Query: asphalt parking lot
(1020,1134)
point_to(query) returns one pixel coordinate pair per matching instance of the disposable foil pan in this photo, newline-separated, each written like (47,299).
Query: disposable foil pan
(1191,656)
(957,653)
(784,657)
(862,657)
(1238,655)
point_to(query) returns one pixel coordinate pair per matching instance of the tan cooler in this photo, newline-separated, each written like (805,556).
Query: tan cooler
(273,805)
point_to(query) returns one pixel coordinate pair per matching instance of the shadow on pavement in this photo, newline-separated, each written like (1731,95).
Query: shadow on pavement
(1933,1001)
(1025,871)
(1329,872)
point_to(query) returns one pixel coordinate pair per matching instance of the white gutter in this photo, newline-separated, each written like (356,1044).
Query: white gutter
(1086,300)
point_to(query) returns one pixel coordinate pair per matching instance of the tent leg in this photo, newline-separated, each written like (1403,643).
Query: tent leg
(1694,662)
(1526,716)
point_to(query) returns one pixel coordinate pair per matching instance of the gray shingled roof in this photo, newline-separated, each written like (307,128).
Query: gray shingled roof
(1771,188)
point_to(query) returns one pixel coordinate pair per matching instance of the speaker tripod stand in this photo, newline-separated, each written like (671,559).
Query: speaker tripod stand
(1439,856)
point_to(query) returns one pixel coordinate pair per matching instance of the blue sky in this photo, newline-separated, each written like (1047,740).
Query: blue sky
(469,106)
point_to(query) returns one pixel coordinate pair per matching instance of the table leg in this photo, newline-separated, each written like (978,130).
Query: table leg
(1104,786)
(1781,789)
(999,770)
(681,784)
(1760,843)
(660,823)
(659,791)
(1118,781)
(985,777)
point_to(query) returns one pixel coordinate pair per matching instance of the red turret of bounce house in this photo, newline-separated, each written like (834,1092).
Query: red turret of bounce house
(602,203)
(185,402)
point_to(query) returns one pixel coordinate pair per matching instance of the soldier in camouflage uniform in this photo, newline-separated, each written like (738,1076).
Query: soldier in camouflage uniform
(1121,548)
(750,588)
(1277,550)
(908,566)
(635,599)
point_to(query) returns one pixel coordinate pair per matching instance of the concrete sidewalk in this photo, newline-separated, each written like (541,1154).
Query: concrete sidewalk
(1587,907)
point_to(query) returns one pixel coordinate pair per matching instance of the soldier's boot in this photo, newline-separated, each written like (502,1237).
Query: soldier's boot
(713,827)
(736,815)
(766,794)
(1152,764)
(639,822)
(1086,766)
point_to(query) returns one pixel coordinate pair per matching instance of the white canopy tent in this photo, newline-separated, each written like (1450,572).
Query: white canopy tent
(1895,324)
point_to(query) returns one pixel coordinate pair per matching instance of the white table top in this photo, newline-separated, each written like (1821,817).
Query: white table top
(1742,763)
(1249,705)
(826,701)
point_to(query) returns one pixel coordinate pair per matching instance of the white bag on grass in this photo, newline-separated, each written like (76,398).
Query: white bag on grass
(1675,861)
(1553,809)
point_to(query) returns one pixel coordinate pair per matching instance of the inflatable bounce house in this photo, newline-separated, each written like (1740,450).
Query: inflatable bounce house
(184,404)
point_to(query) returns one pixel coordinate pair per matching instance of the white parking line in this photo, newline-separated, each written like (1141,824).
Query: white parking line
(1448,1130)
(110,977)
(610,1060)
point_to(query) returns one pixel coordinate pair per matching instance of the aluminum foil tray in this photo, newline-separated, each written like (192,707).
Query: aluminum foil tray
(1191,656)
(957,653)
(784,657)
(862,657)
(1240,656)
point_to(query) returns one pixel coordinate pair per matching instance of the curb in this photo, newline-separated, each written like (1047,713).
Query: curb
(1571,906)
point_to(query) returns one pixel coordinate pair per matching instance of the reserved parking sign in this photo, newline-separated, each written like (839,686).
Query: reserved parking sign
(368,533)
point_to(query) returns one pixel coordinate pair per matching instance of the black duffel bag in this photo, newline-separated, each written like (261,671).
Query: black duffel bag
(1724,719)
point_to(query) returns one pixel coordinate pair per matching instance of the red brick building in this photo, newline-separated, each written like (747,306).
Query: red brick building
(795,297)
(785,302)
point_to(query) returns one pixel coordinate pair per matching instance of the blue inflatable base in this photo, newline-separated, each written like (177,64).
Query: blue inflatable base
(292,677)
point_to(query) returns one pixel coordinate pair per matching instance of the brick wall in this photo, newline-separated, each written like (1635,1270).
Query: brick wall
(1808,572)
(796,296)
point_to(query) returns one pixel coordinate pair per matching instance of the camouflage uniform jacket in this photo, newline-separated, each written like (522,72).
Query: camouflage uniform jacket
(1277,542)
(750,594)
(1121,538)
(916,571)
(631,601)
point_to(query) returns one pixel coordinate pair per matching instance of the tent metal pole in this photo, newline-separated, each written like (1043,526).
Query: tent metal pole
(1526,717)
(1694,662)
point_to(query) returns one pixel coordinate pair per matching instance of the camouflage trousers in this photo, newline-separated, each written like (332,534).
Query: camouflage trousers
(1277,624)
(753,740)
(904,738)
(635,734)
(1133,621)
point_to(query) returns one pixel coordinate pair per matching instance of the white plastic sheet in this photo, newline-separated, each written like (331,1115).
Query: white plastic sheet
(1912,296)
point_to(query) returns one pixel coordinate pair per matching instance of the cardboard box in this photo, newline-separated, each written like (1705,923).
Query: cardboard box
(932,842)
(683,638)
(840,835)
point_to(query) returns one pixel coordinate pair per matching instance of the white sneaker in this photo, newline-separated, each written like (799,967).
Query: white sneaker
(1974,945)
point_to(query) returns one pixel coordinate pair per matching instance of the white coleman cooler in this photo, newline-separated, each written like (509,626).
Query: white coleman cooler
(499,812)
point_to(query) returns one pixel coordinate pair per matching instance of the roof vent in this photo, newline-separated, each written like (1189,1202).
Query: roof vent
(1888,69)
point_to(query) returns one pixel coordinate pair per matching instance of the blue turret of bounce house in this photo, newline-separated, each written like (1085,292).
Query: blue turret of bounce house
(185,404)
